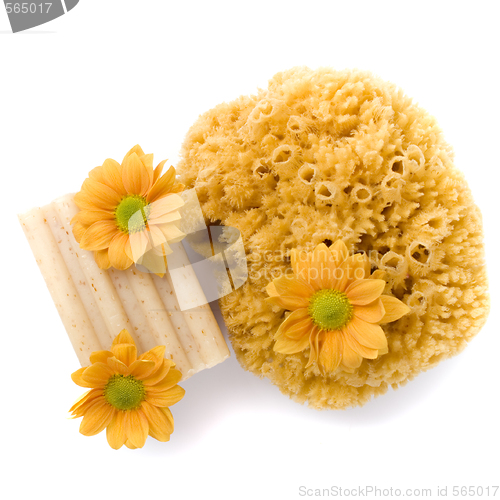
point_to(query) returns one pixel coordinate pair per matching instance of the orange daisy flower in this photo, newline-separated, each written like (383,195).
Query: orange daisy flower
(129,395)
(337,308)
(127,209)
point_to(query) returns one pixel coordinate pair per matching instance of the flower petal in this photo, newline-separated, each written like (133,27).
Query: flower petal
(147,160)
(288,303)
(394,309)
(123,337)
(378,274)
(160,426)
(156,354)
(99,235)
(171,233)
(78,231)
(83,201)
(89,217)
(286,345)
(292,319)
(102,259)
(158,170)
(166,218)
(99,196)
(299,328)
(136,177)
(86,399)
(339,252)
(371,313)
(96,174)
(165,398)
(126,353)
(352,269)
(314,338)
(271,290)
(160,374)
(173,377)
(160,251)
(367,334)
(362,350)
(290,286)
(363,292)
(128,249)
(319,270)
(98,374)
(116,252)
(78,379)
(330,351)
(329,273)
(100,356)
(118,366)
(383,351)
(350,358)
(156,236)
(169,416)
(81,400)
(142,368)
(162,186)
(177,188)
(154,261)
(97,418)
(81,410)
(139,245)
(112,176)
(165,205)
(115,432)
(330,268)
(136,427)
(136,149)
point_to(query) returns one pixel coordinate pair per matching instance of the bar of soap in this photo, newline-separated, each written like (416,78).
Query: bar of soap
(95,305)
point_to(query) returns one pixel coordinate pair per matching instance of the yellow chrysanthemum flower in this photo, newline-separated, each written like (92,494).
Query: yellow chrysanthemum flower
(337,308)
(129,395)
(127,209)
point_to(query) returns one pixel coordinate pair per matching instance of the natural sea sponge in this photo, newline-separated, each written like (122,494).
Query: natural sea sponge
(326,155)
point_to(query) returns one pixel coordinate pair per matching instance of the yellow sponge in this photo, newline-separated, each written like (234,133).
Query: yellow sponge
(326,155)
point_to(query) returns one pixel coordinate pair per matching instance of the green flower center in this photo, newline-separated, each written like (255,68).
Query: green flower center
(132,214)
(330,309)
(124,393)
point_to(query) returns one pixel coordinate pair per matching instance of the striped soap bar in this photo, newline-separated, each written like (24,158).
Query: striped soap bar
(95,305)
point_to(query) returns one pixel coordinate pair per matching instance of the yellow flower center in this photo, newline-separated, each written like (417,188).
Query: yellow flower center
(124,393)
(330,309)
(125,211)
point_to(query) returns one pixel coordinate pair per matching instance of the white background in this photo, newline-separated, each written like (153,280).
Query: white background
(114,73)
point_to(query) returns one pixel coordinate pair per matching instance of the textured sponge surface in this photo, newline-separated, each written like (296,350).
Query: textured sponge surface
(322,155)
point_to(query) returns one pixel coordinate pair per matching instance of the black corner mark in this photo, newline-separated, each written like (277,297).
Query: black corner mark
(24,15)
